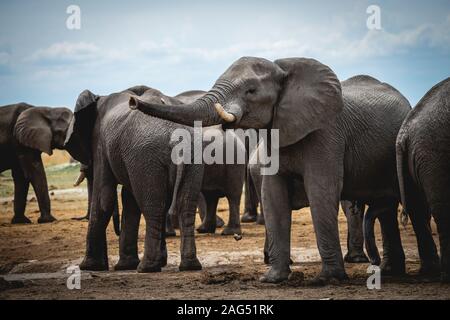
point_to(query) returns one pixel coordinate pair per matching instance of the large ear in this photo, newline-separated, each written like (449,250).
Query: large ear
(79,134)
(311,98)
(33,130)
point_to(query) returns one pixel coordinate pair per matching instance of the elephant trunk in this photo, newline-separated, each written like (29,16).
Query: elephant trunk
(369,237)
(207,109)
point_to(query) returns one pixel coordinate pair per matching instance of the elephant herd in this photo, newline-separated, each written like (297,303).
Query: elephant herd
(357,142)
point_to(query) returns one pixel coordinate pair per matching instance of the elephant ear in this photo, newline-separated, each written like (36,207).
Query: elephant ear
(311,98)
(33,130)
(79,134)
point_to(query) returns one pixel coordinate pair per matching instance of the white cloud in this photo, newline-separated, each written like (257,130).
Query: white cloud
(66,51)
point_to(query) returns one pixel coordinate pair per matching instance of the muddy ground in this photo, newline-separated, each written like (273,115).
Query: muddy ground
(34,258)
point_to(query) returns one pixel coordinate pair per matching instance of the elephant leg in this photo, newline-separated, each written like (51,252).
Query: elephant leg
(233,226)
(128,249)
(420,216)
(153,259)
(275,200)
(251,203)
(170,230)
(34,171)
(21,186)
(209,223)
(104,198)
(393,262)
(202,209)
(323,191)
(442,218)
(355,238)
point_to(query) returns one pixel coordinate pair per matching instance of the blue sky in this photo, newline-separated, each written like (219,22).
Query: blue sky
(180,45)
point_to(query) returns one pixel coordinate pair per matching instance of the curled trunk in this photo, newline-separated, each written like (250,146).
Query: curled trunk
(207,109)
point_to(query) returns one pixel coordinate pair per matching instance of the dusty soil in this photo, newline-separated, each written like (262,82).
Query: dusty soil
(34,258)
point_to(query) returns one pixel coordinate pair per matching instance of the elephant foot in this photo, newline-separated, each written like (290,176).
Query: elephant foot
(392,268)
(219,222)
(86,217)
(356,258)
(321,281)
(149,267)
(46,219)
(127,264)
(20,220)
(230,230)
(190,265)
(260,220)
(248,217)
(92,264)
(275,275)
(206,229)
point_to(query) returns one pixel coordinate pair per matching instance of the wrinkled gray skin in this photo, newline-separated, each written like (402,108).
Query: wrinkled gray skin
(423,164)
(353,211)
(336,143)
(135,151)
(219,180)
(26,132)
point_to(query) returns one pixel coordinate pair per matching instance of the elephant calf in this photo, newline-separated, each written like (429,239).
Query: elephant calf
(127,148)
(423,165)
(25,132)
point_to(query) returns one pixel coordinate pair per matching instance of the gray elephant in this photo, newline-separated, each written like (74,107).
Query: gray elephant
(354,212)
(134,151)
(338,144)
(423,166)
(25,132)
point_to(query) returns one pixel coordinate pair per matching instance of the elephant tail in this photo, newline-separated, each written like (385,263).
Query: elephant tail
(116,218)
(402,172)
(369,237)
(178,179)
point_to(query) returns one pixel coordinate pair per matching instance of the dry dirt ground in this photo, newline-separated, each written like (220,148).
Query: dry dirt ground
(34,258)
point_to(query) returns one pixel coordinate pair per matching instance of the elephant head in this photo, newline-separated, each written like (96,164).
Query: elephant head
(43,128)
(79,134)
(295,95)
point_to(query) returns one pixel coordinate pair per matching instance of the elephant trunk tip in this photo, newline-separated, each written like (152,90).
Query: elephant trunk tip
(133,103)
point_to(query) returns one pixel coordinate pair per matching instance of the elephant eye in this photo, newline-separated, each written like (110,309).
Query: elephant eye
(251,91)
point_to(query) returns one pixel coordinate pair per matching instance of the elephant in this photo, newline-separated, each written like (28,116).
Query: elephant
(423,167)
(353,211)
(337,142)
(134,151)
(25,132)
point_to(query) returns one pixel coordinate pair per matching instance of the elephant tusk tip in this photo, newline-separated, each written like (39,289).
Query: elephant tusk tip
(133,103)
(226,116)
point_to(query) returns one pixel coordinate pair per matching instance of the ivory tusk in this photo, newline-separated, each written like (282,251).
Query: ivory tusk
(228,117)
(80,179)
(163,101)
